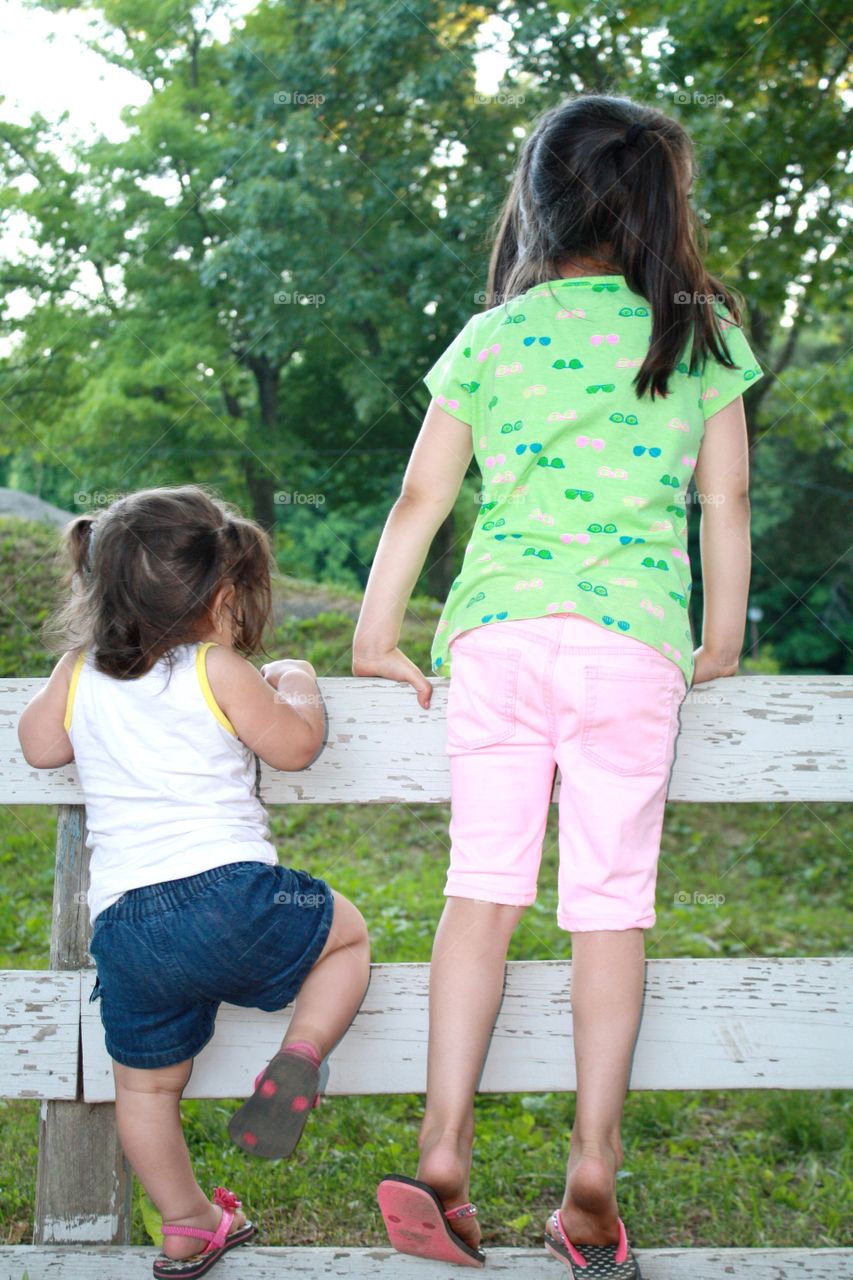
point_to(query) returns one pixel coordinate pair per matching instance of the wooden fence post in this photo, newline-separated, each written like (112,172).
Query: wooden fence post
(84,1183)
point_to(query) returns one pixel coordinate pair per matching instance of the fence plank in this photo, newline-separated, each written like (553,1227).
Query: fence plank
(715,1024)
(745,738)
(368,1264)
(83,1183)
(39,1034)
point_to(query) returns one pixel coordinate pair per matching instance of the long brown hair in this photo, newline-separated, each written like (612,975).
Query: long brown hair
(143,574)
(579,188)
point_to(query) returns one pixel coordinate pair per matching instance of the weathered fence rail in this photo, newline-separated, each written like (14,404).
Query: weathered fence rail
(782,1022)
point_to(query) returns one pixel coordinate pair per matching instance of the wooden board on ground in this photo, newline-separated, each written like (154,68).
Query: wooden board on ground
(382,1264)
(706,1024)
(39,1034)
(744,738)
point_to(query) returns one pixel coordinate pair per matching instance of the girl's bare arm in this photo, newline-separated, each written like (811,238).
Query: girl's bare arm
(41,728)
(281,719)
(722,483)
(436,469)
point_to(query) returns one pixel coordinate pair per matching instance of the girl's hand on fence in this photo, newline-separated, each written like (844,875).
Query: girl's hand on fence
(273,671)
(709,667)
(394,665)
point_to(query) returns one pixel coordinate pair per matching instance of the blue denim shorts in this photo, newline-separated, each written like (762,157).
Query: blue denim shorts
(168,954)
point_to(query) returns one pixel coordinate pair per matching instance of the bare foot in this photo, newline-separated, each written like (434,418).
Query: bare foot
(186,1246)
(445,1165)
(589,1211)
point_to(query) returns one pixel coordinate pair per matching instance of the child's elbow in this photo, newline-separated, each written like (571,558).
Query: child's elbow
(728,505)
(300,752)
(311,748)
(39,756)
(29,748)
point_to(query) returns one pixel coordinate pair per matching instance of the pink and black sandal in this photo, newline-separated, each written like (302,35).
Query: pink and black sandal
(604,1261)
(218,1242)
(417,1223)
(270,1123)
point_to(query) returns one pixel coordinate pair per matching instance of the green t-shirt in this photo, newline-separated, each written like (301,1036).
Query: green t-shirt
(584,484)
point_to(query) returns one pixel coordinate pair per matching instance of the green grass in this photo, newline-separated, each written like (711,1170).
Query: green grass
(747,1168)
(702,1168)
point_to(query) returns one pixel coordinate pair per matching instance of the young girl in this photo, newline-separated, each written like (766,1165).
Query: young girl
(190,906)
(607,357)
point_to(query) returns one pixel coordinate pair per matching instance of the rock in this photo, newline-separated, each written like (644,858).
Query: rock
(14,502)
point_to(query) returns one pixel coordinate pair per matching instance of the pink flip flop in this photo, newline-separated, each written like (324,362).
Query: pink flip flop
(417,1222)
(218,1242)
(605,1261)
(270,1123)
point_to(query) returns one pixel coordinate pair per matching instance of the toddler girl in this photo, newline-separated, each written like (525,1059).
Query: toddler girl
(190,906)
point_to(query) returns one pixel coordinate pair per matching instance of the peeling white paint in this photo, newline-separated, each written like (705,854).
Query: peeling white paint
(86,1229)
(701,1028)
(368,1264)
(744,738)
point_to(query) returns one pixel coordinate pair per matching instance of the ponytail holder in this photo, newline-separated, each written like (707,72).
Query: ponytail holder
(90,550)
(633,134)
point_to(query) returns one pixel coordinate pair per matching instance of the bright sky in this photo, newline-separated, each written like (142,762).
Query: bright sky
(47,68)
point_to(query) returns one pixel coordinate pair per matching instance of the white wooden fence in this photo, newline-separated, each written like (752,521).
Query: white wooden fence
(781,1023)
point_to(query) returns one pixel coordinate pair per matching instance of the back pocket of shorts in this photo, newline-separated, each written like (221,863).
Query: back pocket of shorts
(481,698)
(628,718)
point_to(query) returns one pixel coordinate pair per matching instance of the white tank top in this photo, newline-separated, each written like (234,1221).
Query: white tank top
(169,787)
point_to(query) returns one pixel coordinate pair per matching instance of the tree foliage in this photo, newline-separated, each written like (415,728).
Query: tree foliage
(247,289)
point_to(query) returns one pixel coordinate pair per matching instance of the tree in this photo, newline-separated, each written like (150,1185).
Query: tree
(249,289)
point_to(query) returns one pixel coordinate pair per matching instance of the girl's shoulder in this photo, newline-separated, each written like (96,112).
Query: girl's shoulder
(221,657)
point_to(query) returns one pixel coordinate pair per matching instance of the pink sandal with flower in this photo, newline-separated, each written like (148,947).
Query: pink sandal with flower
(218,1242)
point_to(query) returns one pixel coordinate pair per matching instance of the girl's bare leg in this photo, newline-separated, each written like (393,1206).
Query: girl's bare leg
(148,1118)
(329,997)
(466,985)
(607,990)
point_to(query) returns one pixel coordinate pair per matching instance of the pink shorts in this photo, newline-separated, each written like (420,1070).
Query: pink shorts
(560,690)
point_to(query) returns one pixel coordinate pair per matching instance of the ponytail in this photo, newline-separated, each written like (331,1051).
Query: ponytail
(601,174)
(162,557)
(247,560)
(79,544)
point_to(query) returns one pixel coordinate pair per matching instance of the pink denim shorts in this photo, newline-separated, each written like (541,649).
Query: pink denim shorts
(560,691)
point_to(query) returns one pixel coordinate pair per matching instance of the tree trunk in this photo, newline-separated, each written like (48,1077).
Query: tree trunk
(262,459)
(262,491)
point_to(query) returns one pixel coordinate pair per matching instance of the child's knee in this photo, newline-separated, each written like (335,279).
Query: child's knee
(484,915)
(160,1080)
(348,926)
